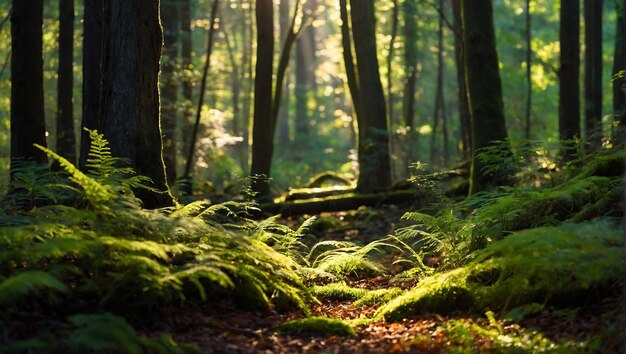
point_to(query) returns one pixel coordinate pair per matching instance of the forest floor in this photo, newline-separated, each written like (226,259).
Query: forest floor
(223,328)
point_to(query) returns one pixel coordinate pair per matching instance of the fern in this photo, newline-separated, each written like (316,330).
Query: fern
(25,283)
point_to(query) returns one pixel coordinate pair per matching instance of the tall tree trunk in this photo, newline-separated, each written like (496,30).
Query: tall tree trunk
(593,72)
(263,128)
(484,87)
(169,85)
(375,173)
(619,112)
(301,93)
(132,40)
(186,51)
(464,112)
(569,74)
(92,74)
(529,83)
(409,11)
(66,139)
(28,125)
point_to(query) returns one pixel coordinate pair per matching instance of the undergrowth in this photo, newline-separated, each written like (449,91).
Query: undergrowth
(102,256)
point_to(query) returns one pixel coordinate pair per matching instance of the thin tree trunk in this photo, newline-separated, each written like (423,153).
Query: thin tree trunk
(205,73)
(529,83)
(66,139)
(92,74)
(132,40)
(409,10)
(283,119)
(375,173)
(392,41)
(263,127)
(439,102)
(348,59)
(593,72)
(169,85)
(464,112)
(28,124)
(484,88)
(186,49)
(619,113)
(569,74)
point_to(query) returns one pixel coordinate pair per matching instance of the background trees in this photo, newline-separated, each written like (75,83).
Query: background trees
(317,86)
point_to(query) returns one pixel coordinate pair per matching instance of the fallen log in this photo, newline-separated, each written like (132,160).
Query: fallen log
(349,201)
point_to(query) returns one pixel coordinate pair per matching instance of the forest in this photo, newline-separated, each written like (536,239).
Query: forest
(312,176)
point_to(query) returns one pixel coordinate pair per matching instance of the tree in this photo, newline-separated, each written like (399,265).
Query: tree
(92,73)
(263,129)
(464,113)
(28,124)
(186,49)
(375,169)
(593,71)
(131,50)
(484,88)
(619,113)
(569,73)
(169,85)
(283,120)
(66,139)
(409,12)
(440,107)
(529,83)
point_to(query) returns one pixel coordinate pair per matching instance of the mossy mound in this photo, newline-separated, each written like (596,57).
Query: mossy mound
(378,296)
(319,326)
(338,291)
(572,263)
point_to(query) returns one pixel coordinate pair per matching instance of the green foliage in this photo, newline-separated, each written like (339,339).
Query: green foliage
(341,258)
(468,337)
(318,326)
(568,264)
(115,256)
(379,296)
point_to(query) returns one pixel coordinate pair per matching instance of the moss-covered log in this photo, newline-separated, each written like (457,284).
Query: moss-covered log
(346,202)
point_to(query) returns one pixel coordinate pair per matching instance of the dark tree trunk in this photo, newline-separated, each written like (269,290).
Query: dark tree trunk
(301,93)
(464,112)
(92,74)
(66,138)
(28,124)
(262,126)
(529,84)
(409,11)
(346,43)
(569,74)
(375,172)
(593,72)
(132,40)
(169,85)
(394,32)
(619,112)
(484,87)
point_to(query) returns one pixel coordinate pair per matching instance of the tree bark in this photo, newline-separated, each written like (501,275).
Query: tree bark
(375,172)
(66,139)
(440,113)
(394,32)
(262,126)
(28,124)
(132,40)
(569,73)
(593,72)
(484,88)
(284,138)
(169,85)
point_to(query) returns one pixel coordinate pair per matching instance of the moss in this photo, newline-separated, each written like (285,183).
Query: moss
(610,165)
(378,296)
(338,291)
(570,264)
(318,325)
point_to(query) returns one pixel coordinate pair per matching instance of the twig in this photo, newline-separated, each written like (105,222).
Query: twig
(6,62)
(6,19)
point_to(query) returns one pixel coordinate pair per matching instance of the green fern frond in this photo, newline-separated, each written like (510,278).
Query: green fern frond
(25,283)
